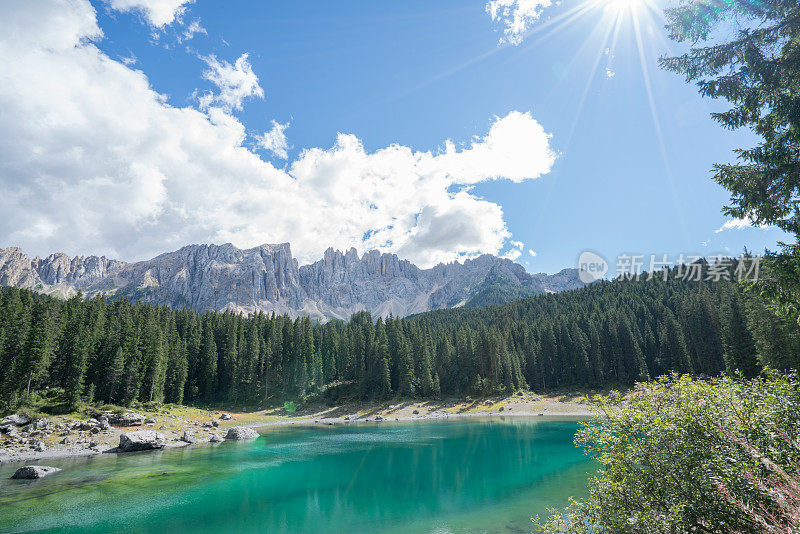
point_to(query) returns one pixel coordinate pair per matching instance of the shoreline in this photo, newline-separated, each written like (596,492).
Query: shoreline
(59,445)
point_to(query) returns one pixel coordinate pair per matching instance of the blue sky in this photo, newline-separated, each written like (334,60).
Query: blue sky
(416,74)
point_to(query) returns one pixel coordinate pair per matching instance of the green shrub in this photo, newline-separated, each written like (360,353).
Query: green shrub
(677,455)
(289,407)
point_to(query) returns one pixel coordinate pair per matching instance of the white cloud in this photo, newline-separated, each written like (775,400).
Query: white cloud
(610,73)
(532,252)
(515,252)
(191,30)
(516,16)
(274,140)
(129,60)
(235,83)
(738,224)
(108,167)
(516,148)
(158,13)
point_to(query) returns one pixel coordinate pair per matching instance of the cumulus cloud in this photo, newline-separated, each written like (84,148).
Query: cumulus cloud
(158,13)
(235,83)
(532,252)
(109,167)
(516,16)
(274,141)
(738,224)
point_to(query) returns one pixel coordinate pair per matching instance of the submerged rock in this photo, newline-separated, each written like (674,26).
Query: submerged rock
(241,433)
(30,472)
(141,440)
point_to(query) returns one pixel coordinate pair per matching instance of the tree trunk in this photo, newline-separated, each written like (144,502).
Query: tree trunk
(28,389)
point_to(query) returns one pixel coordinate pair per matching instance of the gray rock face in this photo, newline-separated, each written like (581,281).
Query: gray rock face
(188,437)
(216,439)
(102,421)
(39,424)
(241,433)
(30,472)
(126,419)
(57,273)
(267,278)
(141,440)
(15,420)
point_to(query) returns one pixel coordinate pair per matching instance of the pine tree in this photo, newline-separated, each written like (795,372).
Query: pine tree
(757,72)
(740,348)
(406,381)
(79,354)
(154,360)
(114,374)
(633,359)
(208,361)
(379,378)
(672,354)
(39,346)
(17,321)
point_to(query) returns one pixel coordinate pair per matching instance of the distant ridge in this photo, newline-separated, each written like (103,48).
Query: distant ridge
(267,278)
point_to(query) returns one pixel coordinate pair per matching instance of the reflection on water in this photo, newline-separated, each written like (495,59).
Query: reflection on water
(453,476)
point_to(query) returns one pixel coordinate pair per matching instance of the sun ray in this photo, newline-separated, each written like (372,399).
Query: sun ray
(562,21)
(657,123)
(612,26)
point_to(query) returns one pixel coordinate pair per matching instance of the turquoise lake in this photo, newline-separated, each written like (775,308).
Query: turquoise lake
(439,476)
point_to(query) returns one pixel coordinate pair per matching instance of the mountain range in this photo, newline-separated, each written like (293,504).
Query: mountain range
(267,278)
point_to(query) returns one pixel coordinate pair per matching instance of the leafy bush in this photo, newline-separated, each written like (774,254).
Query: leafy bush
(687,455)
(289,407)
(119,410)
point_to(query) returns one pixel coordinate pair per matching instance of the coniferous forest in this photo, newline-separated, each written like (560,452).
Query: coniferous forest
(609,333)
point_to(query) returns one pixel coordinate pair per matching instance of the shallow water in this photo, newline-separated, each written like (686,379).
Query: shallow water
(443,476)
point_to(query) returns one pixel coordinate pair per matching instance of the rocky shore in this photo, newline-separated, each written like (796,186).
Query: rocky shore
(23,439)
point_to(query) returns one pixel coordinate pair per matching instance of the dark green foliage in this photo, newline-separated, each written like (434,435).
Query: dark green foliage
(608,333)
(495,290)
(683,455)
(757,70)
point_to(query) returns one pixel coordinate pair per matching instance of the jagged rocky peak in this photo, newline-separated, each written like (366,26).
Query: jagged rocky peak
(59,268)
(214,277)
(17,269)
(268,278)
